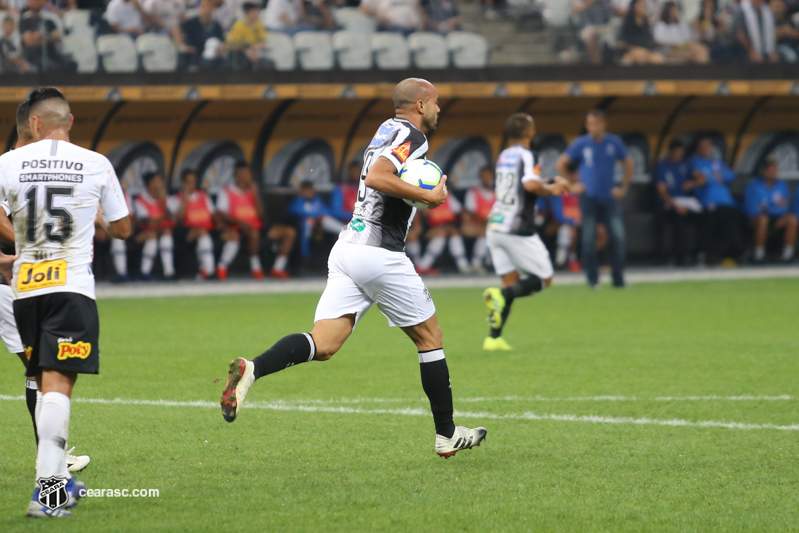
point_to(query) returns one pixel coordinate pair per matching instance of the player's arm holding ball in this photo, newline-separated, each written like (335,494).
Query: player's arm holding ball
(383,177)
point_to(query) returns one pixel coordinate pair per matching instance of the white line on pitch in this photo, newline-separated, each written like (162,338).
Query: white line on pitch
(593,419)
(607,398)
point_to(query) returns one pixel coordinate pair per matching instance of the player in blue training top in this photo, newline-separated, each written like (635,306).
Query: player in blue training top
(767,204)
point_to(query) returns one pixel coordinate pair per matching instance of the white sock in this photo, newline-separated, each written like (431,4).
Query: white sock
(564,241)
(434,249)
(331,225)
(281,262)
(38,408)
(53,425)
(119,251)
(148,255)
(167,246)
(414,250)
(760,253)
(787,252)
(479,252)
(255,263)
(205,254)
(229,252)
(458,251)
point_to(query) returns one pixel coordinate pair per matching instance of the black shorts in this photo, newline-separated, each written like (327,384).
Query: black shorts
(60,331)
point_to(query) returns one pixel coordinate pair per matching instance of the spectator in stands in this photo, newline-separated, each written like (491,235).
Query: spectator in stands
(318,13)
(401,16)
(711,30)
(787,32)
(343,197)
(41,51)
(201,39)
(674,38)
(193,209)
(156,221)
(474,217)
(721,217)
(678,204)
(442,15)
(755,30)
(766,202)
(165,16)
(595,25)
(128,16)
(247,39)
(227,12)
(240,212)
(310,213)
(595,154)
(287,16)
(444,227)
(635,38)
(11,59)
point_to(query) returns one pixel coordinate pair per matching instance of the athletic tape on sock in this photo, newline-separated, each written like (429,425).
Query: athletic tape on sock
(431,355)
(313,346)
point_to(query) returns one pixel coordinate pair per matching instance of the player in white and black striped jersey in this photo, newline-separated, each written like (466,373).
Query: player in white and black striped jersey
(517,252)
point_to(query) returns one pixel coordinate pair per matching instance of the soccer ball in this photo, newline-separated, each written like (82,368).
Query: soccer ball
(420,173)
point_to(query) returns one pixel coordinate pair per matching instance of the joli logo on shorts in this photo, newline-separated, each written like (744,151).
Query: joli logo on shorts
(34,276)
(69,350)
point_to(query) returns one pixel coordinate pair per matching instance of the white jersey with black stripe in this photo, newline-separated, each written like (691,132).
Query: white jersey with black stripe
(53,190)
(378,219)
(514,208)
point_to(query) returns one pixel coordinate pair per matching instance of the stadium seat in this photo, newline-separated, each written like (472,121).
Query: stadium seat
(314,50)
(280,49)
(351,19)
(469,50)
(158,53)
(429,50)
(118,53)
(78,21)
(352,50)
(390,51)
(80,47)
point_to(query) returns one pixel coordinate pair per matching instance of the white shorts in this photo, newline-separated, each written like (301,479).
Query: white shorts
(8,324)
(527,254)
(360,275)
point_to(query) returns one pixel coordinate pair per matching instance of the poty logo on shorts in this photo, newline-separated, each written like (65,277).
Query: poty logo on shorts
(68,350)
(402,151)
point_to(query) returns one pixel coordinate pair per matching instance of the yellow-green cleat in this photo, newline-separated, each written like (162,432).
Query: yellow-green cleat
(496,345)
(496,304)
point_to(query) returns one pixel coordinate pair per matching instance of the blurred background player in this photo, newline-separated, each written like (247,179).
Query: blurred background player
(193,209)
(368,266)
(444,222)
(311,214)
(8,323)
(517,252)
(241,212)
(767,204)
(157,222)
(595,155)
(474,217)
(54,287)
(563,223)
(344,195)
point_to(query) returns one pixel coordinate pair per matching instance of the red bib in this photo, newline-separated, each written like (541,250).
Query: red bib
(441,215)
(243,207)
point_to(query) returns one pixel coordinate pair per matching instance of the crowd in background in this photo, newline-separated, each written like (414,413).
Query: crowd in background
(209,34)
(648,32)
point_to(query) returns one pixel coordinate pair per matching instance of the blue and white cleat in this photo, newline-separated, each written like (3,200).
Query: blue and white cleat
(50,506)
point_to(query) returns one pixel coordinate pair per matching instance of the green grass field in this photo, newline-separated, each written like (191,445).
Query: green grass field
(347,445)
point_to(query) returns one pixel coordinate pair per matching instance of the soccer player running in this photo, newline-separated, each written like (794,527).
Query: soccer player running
(517,252)
(54,189)
(8,324)
(368,266)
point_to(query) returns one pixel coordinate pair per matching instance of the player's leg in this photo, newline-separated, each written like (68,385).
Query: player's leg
(789,224)
(166,246)
(204,249)
(11,338)
(286,235)
(760,234)
(436,241)
(230,249)
(119,254)
(437,386)
(588,237)
(253,236)
(148,253)
(458,249)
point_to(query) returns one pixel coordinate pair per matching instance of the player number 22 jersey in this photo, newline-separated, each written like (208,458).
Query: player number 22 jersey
(53,189)
(514,208)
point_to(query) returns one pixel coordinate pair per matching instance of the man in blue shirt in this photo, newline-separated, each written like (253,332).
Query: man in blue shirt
(595,155)
(311,215)
(678,204)
(766,202)
(721,226)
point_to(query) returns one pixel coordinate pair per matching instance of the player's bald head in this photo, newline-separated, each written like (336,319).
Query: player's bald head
(411,90)
(49,109)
